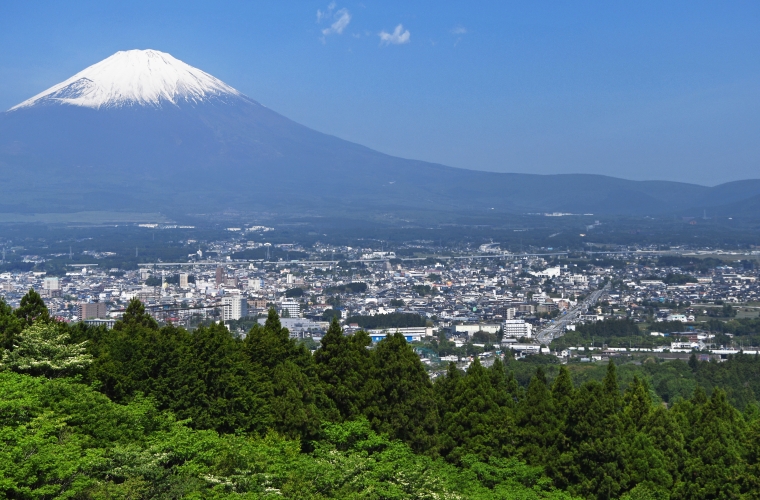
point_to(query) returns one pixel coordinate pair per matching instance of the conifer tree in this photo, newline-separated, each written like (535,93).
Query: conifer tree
(537,424)
(500,385)
(751,476)
(10,326)
(32,308)
(563,394)
(401,399)
(597,465)
(715,466)
(270,345)
(233,395)
(563,398)
(294,403)
(298,399)
(134,316)
(343,365)
(446,389)
(476,424)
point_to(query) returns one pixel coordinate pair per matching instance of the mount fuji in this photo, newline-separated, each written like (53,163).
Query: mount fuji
(144,131)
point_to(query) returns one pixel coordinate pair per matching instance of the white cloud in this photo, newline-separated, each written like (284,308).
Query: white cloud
(342,18)
(459,30)
(398,37)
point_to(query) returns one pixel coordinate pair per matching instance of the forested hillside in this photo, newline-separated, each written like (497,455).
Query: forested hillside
(143,411)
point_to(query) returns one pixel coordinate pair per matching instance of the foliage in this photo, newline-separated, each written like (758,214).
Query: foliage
(347,288)
(44,348)
(294,292)
(63,440)
(166,413)
(390,320)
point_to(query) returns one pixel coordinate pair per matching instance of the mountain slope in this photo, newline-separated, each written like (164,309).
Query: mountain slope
(142,130)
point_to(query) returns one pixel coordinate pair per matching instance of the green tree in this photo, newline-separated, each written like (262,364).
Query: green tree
(45,348)
(751,476)
(645,457)
(597,462)
(32,308)
(10,326)
(233,394)
(476,424)
(343,365)
(135,315)
(401,399)
(715,465)
(537,424)
(298,399)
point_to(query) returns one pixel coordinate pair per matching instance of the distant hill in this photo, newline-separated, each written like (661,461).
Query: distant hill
(144,132)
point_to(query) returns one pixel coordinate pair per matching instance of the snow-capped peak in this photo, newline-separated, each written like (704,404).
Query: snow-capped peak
(135,78)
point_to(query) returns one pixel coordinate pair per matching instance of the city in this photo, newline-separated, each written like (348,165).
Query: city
(483,302)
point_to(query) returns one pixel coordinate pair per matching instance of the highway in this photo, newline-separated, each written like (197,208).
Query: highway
(557,328)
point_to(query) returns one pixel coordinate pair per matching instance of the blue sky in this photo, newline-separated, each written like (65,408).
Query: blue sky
(640,90)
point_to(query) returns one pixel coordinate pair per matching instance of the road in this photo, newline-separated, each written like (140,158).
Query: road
(557,329)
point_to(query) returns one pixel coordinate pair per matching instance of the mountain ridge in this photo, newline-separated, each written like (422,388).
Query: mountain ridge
(226,150)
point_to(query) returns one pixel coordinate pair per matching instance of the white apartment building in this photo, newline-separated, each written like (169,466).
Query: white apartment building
(293,308)
(51,284)
(517,328)
(234,307)
(183,280)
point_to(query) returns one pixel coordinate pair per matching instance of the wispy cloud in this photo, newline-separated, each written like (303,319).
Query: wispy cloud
(322,15)
(458,30)
(398,37)
(340,19)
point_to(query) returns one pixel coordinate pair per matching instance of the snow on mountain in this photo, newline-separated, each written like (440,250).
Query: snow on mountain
(135,78)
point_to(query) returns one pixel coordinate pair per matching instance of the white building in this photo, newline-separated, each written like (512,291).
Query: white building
(677,317)
(411,333)
(51,284)
(517,328)
(549,272)
(234,307)
(183,280)
(471,329)
(293,308)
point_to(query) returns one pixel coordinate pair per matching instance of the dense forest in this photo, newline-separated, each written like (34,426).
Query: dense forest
(142,411)
(389,320)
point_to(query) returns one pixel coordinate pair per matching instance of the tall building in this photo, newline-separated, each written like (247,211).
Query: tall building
(51,284)
(90,310)
(234,307)
(219,276)
(517,328)
(293,308)
(183,280)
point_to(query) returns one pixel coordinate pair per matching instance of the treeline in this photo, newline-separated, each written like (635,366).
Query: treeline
(355,287)
(690,263)
(390,320)
(259,416)
(610,332)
